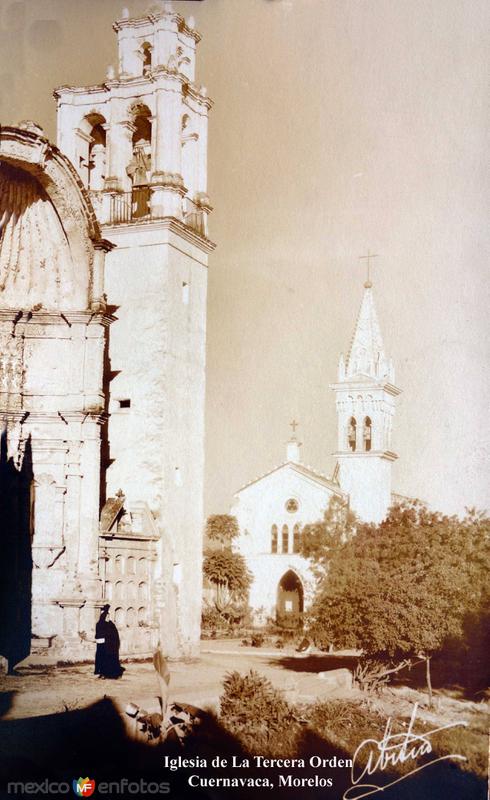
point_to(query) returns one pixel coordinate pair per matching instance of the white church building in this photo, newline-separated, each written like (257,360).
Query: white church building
(272,510)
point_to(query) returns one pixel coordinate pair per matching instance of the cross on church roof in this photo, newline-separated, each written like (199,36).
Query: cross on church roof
(369,256)
(294,425)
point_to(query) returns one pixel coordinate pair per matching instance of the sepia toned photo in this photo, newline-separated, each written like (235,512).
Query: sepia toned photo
(244,357)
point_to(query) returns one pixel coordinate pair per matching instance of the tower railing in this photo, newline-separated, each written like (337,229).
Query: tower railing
(195,217)
(135,206)
(130,206)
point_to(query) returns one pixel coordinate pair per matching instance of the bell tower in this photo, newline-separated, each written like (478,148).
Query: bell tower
(138,141)
(365,398)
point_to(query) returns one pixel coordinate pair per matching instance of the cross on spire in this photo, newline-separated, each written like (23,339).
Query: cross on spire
(367,282)
(294,425)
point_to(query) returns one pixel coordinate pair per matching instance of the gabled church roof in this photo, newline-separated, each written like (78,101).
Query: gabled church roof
(366,354)
(306,471)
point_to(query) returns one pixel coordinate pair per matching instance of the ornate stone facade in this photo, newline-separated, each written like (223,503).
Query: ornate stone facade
(87,413)
(139,144)
(128,566)
(53,328)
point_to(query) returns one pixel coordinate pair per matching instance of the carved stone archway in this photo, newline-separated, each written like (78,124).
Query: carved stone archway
(45,174)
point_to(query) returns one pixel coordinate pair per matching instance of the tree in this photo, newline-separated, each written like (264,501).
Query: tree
(228,573)
(405,587)
(222,529)
(319,540)
(224,568)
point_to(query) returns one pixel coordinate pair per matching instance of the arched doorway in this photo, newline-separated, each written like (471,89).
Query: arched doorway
(139,170)
(289,600)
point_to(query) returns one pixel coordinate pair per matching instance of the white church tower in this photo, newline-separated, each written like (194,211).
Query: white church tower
(139,144)
(365,399)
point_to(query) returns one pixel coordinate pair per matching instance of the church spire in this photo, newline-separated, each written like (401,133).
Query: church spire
(365,398)
(367,356)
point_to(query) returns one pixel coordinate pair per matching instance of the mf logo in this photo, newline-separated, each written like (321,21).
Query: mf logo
(83,787)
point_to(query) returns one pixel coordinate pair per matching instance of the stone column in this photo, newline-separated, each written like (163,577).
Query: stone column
(343,424)
(87,560)
(97,302)
(97,167)
(360,427)
(72,516)
(71,648)
(112,181)
(166,599)
(202,145)
(166,38)
(81,162)
(129,63)
(167,185)
(126,152)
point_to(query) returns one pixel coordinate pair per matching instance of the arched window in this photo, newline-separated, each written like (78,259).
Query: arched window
(146,51)
(285,539)
(351,434)
(92,151)
(367,433)
(141,119)
(296,538)
(139,170)
(274,537)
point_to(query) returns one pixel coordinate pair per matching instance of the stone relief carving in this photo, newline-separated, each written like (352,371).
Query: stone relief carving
(36,266)
(47,544)
(11,369)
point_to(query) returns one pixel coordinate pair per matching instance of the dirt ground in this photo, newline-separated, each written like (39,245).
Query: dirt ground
(46,689)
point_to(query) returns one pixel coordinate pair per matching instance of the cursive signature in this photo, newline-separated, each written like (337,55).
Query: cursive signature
(393,749)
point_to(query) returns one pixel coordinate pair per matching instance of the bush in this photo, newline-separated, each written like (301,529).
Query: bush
(290,622)
(258,715)
(211,618)
(225,624)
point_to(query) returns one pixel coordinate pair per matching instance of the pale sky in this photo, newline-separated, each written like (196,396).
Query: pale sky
(338,126)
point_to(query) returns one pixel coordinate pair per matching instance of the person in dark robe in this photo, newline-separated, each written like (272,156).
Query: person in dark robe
(107,653)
